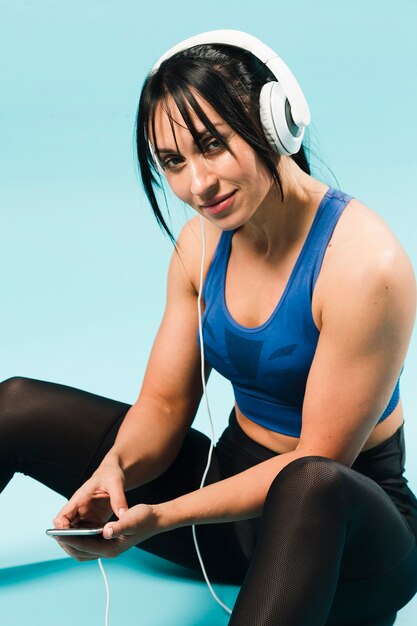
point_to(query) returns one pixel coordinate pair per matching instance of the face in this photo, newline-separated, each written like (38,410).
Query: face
(224,189)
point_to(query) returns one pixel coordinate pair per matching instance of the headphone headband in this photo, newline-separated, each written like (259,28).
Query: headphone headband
(299,108)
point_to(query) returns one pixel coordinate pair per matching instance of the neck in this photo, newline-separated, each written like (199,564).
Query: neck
(279,223)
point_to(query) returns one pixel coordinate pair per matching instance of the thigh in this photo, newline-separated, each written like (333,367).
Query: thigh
(55,433)
(59,435)
(331,546)
(378,569)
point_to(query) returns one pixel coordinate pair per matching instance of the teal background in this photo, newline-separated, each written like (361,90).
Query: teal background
(83,263)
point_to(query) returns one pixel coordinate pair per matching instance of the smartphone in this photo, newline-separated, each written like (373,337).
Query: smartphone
(70,532)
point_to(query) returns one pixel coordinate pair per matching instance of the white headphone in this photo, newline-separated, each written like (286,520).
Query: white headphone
(284,111)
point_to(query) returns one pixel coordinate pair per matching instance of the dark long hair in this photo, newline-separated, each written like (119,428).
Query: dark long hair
(230,80)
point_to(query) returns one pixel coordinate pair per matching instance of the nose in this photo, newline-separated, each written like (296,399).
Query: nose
(203,179)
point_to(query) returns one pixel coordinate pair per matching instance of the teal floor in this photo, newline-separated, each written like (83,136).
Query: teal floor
(40,585)
(143,590)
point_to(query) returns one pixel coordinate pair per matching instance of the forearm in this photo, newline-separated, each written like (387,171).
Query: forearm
(239,497)
(147,442)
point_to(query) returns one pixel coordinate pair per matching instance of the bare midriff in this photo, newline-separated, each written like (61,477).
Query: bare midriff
(283,443)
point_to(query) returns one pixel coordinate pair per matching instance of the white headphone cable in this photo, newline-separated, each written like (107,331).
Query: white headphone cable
(224,606)
(107,591)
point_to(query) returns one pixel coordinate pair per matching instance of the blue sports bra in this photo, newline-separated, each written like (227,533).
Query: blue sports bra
(268,365)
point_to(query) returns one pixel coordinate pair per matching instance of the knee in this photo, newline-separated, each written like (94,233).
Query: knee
(13,392)
(312,477)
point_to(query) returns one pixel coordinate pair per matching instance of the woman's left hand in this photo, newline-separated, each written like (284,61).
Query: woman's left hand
(134,526)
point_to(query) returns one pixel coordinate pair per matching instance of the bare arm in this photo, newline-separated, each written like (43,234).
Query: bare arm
(154,428)
(366,331)
(367,326)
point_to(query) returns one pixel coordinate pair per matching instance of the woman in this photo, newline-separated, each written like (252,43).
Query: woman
(309,309)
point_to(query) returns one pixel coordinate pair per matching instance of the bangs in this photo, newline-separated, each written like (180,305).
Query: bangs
(184,98)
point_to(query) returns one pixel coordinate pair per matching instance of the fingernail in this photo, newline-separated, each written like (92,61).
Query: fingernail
(121,511)
(109,533)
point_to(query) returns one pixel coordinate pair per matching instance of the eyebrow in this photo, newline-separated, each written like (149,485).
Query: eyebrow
(199,135)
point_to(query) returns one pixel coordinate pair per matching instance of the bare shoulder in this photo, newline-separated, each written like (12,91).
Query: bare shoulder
(190,247)
(366,238)
(362,250)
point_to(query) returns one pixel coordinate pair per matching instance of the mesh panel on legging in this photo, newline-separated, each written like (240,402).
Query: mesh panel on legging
(325,528)
(47,426)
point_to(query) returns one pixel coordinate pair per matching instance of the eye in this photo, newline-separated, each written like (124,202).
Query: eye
(214,144)
(172,163)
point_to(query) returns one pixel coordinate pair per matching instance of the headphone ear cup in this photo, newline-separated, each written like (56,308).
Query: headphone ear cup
(273,113)
(157,164)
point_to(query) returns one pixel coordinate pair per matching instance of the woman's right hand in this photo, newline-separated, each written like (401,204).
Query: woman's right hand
(94,502)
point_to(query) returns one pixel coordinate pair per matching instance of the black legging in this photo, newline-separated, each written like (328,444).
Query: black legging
(334,545)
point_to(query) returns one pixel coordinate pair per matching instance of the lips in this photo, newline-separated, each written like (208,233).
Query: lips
(220,206)
(217,200)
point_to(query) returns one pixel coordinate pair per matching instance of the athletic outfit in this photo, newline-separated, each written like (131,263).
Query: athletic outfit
(334,546)
(269,365)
